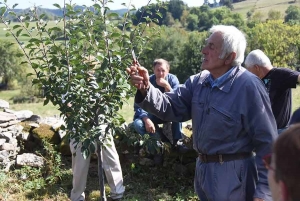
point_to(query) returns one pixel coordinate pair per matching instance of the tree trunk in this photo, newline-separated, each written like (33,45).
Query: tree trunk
(100,173)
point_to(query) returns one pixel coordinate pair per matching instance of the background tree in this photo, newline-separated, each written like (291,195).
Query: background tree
(156,12)
(228,4)
(69,70)
(277,40)
(292,15)
(192,22)
(176,7)
(190,57)
(10,67)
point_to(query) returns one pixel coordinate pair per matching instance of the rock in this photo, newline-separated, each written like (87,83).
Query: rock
(2,141)
(30,160)
(34,125)
(45,132)
(146,162)
(23,114)
(24,136)
(8,147)
(3,125)
(15,128)
(4,104)
(35,118)
(4,154)
(6,135)
(52,121)
(5,117)
(65,147)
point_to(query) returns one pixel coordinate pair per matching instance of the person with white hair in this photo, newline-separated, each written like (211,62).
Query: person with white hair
(231,117)
(278,82)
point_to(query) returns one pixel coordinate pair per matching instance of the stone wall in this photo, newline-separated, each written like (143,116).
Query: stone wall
(16,129)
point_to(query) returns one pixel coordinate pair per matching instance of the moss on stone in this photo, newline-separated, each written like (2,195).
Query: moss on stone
(45,132)
(65,147)
(26,126)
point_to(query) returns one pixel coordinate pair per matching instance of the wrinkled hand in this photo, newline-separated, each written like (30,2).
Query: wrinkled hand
(139,77)
(258,199)
(149,125)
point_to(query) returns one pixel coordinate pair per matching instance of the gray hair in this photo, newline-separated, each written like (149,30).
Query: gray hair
(233,41)
(161,62)
(257,57)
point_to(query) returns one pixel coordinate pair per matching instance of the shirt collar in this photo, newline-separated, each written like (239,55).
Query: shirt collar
(224,82)
(220,80)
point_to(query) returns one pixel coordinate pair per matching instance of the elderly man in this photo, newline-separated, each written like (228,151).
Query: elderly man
(284,165)
(278,82)
(231,116)
(145,122)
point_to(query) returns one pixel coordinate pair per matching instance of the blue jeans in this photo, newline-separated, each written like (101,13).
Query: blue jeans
(140,128)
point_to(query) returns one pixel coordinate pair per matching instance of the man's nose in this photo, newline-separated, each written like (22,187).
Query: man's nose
(204,50)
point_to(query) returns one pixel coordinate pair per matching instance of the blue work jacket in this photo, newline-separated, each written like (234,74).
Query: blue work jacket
(233,117)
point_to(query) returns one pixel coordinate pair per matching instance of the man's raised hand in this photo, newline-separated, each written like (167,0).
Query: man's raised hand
(139,78)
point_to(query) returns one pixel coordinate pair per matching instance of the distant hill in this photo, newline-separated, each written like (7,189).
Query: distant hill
(59,13)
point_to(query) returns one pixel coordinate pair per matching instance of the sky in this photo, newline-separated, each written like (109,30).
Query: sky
(113,6)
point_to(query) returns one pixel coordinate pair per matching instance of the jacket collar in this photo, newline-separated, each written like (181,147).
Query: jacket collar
(225,82)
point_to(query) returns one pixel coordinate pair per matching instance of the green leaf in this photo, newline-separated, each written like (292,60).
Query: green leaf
(46,102)
(113,15)
(34,40)
(57,5)
(14,5)
(29,74)
(25,35)
(16,26)
(18,32)
(12,13)
(115,35)
(2,11)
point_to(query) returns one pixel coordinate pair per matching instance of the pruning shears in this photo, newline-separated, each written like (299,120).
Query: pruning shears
(135,61)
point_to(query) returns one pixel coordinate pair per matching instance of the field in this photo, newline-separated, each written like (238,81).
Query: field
(263,6)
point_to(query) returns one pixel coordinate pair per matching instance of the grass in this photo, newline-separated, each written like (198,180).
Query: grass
(23,38)
(263,6)
(36,108)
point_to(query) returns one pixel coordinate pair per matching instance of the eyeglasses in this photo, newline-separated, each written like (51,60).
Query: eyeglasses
(267,159)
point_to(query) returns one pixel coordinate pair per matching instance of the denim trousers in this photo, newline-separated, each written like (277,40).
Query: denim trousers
(140,128)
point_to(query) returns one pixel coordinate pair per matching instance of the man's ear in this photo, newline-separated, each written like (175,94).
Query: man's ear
(284,191)
(230,58)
